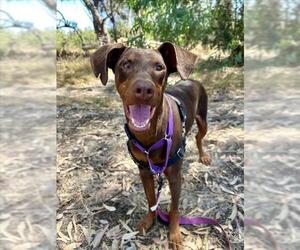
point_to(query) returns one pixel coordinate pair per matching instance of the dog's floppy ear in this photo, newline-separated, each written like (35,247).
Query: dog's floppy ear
(177,59)
(106,57)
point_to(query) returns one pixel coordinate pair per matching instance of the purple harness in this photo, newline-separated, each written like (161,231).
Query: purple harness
(159,169)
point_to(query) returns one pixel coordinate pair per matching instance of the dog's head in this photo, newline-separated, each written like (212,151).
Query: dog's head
(141,76)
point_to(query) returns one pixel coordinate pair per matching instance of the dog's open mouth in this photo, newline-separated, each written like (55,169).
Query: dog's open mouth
(139,116)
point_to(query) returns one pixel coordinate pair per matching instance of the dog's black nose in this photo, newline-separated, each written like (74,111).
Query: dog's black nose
(143,90)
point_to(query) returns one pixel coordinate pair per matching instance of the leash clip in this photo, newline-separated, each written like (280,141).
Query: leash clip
(154,208)
(160,182)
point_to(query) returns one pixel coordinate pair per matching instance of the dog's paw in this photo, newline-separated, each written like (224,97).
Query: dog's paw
(175,240)
(205,159)
(146,223)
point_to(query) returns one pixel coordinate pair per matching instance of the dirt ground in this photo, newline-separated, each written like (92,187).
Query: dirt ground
(27,155)
(272,155)
(101,198)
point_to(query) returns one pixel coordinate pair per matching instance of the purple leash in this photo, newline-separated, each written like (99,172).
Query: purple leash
(183,220)
(159,169)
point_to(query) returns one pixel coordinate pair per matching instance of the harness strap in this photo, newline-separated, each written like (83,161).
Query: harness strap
(176,157)
(182,111)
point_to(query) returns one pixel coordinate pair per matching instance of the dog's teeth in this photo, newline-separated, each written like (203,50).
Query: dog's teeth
(144,124)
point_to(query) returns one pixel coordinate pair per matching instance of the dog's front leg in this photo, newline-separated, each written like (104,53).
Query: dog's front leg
(173,174)
(148,183)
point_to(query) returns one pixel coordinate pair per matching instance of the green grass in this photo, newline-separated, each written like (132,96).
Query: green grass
(74,71)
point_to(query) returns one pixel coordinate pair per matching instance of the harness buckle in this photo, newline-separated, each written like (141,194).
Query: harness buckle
(167,137)
(180,152)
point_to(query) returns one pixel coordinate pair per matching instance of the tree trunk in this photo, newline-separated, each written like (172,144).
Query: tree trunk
(112,19)
(98,22)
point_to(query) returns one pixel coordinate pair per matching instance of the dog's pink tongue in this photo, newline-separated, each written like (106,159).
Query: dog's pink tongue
(139,113)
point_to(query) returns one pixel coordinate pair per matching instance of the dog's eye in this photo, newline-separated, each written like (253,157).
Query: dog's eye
(159,67)
(126,65)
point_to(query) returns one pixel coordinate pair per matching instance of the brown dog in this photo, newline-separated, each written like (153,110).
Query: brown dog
(141,80)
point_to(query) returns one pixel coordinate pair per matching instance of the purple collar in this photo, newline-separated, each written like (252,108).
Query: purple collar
(158,169)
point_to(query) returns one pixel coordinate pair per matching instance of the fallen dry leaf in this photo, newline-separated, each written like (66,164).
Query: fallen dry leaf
(109,208)
(99,236)
(128,237)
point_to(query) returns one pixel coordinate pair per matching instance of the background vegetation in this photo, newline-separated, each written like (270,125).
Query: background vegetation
(215,24)
(274,28)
